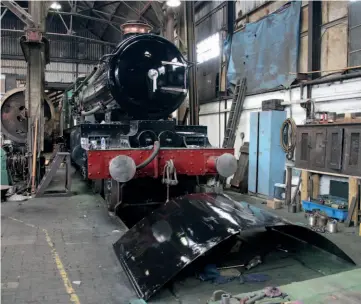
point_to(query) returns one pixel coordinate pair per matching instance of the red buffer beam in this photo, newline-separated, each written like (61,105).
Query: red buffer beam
(186,161)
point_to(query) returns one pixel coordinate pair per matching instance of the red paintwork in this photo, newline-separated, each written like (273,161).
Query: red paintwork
(186,161)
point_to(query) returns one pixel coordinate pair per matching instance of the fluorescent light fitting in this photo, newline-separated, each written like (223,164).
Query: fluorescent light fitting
(55,6)
(173,3)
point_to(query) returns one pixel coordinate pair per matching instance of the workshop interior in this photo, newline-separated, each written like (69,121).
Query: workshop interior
(180,152)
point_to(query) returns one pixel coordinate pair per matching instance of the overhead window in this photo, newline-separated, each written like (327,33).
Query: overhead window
(208,48)
(354,33)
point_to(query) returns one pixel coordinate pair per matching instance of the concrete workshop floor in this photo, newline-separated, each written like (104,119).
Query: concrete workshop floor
(347,239)
(48,244)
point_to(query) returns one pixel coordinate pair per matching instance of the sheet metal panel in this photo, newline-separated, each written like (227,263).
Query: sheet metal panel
(159,246)
(253,152)
(271,157)
(264,152)
(172,237)
(266,52)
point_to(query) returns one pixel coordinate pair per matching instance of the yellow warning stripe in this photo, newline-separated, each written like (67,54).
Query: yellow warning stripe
(59,264)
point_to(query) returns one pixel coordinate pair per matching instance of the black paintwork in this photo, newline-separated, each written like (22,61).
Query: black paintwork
(173,236)
(159,246)
(130,85)
(124,78)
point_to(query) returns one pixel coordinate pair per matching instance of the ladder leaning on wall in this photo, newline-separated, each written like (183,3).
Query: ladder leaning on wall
(235,113)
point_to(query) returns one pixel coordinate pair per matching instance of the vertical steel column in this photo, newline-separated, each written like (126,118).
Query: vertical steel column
(35,76)
(230,16)
(182,45)
(169,30)
(314,47)
(314,37)
(192,57)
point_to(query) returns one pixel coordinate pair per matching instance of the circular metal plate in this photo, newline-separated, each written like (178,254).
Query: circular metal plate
(14,123)
(122,168)
(226,165)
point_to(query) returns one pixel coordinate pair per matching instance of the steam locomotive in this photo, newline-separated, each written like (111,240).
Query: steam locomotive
(122,139)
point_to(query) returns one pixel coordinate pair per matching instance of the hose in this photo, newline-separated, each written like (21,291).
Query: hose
(288,137)
(95,109)
(92,111)
(151,157)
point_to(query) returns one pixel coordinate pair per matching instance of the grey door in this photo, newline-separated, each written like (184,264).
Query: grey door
(352,155)
(318,148)
(303,147)
(334,148)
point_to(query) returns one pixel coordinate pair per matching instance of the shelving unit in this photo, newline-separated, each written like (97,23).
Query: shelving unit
(312,177)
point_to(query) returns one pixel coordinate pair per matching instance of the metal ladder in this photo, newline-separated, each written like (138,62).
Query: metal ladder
(235,113)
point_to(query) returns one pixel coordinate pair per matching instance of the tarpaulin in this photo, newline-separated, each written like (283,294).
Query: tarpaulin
(266,51)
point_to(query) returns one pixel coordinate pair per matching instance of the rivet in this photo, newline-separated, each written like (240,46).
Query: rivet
(90,174)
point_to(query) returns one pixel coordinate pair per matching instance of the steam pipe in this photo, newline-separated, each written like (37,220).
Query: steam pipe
(90,112)
(85,81)
(331,79)
(151,157)
(95,109)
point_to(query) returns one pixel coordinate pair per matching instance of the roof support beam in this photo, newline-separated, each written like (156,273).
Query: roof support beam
(85,17)
(65,35)
(99,6)
(158,12)
(105,29)
(3,13)
(137,12)
(18,11)
(108,21)
(114,15)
